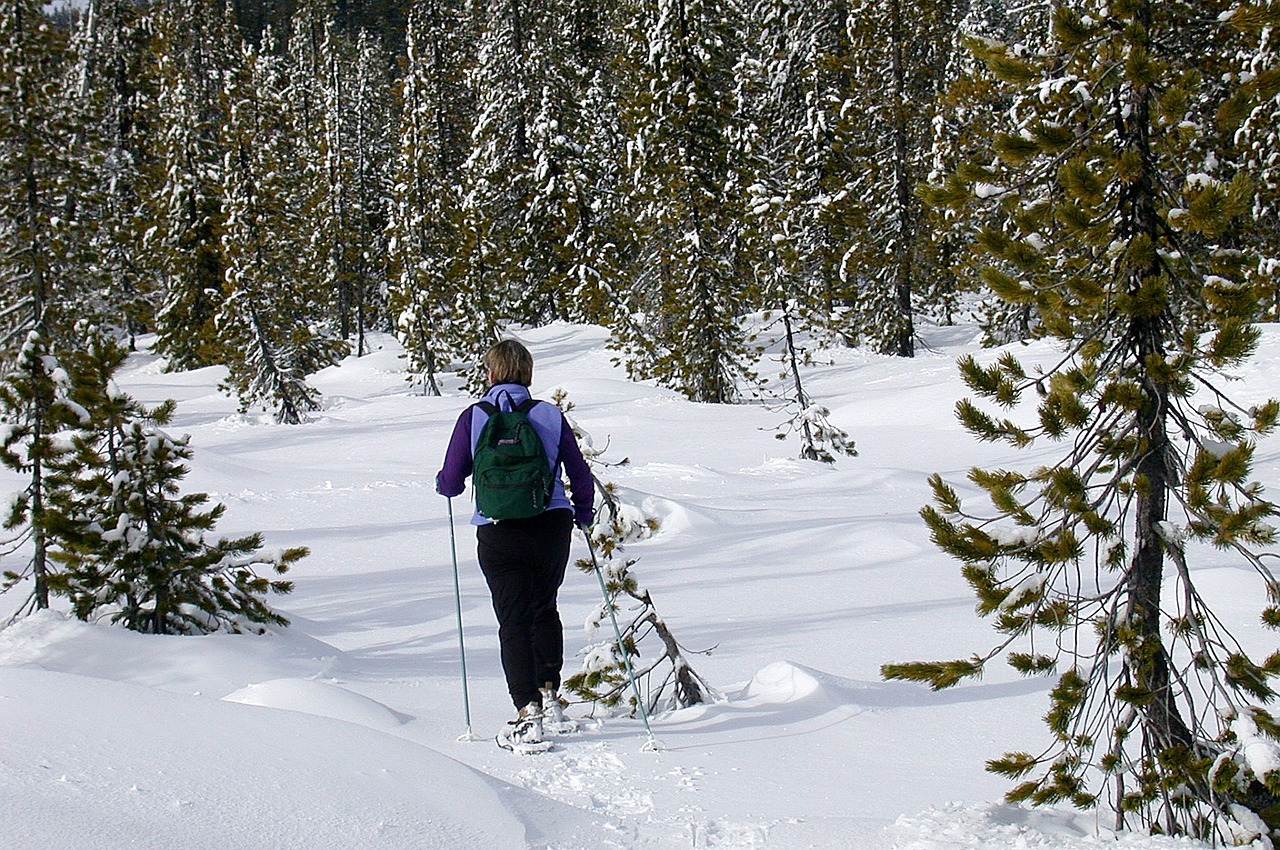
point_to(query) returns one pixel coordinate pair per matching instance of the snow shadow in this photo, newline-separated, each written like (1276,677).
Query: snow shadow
(785,700)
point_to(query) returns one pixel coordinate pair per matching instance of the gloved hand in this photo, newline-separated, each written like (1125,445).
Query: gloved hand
(583,520)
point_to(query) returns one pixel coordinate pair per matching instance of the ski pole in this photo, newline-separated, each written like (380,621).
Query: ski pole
(652,745)
(462,647)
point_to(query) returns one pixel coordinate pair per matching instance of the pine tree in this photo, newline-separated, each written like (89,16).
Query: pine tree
(195,48)
(969,105)
(575,150)
(36,406)
(364,308)
(424,212)
(306,153)
(819,438)
(133,549)
(357,151)
(497,176)
(521,182)
(898,52)
(1114,209)
(668,678)
(767,148)
(528,235)
(800,220)
(685,298)
(559,209)
(46,187)
(112,82)
(600,238)
(1254,115)
(588,147)
(45,193)
(304,52)
(265,323)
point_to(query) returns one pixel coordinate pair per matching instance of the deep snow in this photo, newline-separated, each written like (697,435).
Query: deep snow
(342,730)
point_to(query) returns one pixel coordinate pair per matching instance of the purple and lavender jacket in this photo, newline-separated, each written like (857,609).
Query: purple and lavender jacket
(557,438)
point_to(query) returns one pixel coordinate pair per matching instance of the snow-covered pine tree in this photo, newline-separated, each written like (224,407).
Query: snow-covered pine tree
(526,188)
(769,145)
(797,231)
(1254,114)
(497,176)
(265,322)
(681,323)
(112,79)
(836,216)
(898,51)
(133,548)
(819,438)
(305,149)
(341,225)
(363,308)
(785,241)
(336,225)
(577,149)
(305,45)
(591,148)
(423,213)
(36,406)
(517,208)
(46,185)
(969,104)
(603,678)
(562,204)
(489,178)
(1118,215)
(601,237)
(45,195)
(195,46)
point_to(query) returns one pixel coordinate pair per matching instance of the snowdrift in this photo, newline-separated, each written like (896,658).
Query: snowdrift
(342,731)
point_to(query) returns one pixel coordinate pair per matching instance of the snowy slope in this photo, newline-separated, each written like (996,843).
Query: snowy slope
(343,729)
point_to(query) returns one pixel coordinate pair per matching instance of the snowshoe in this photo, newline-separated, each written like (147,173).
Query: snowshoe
(554,720)
(521,748)
(524,734)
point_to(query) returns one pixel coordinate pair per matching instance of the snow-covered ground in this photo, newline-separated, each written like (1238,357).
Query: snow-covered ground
(342,730)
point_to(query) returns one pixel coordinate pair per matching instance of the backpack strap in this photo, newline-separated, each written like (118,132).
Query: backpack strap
(523,407)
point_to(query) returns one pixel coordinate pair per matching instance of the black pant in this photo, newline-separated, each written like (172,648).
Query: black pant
(523,561)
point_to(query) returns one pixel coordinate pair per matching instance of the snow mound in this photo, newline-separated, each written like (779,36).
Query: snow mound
(786,682)
(209,664)
(26,640)
(320,699)
(782,682)
(136,767)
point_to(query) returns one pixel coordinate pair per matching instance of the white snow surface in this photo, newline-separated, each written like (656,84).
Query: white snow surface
(343,730)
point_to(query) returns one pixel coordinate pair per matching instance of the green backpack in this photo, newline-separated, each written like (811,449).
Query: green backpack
(510,471)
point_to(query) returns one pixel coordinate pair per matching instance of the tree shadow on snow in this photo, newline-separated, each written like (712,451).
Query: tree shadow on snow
(788,700)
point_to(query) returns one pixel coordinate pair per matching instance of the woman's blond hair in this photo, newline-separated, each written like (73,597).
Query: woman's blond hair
(509,362)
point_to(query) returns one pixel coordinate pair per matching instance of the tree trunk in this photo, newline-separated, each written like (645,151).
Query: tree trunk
(807,449)
(1163,725)
(40,560)
(1150,664)
(430,385)
(39,283)
(688,686)
(903,340)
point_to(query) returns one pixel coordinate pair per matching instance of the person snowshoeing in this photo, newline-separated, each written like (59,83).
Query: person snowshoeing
(514,449)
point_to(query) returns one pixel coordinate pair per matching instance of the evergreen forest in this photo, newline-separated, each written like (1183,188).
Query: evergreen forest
(262,183)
